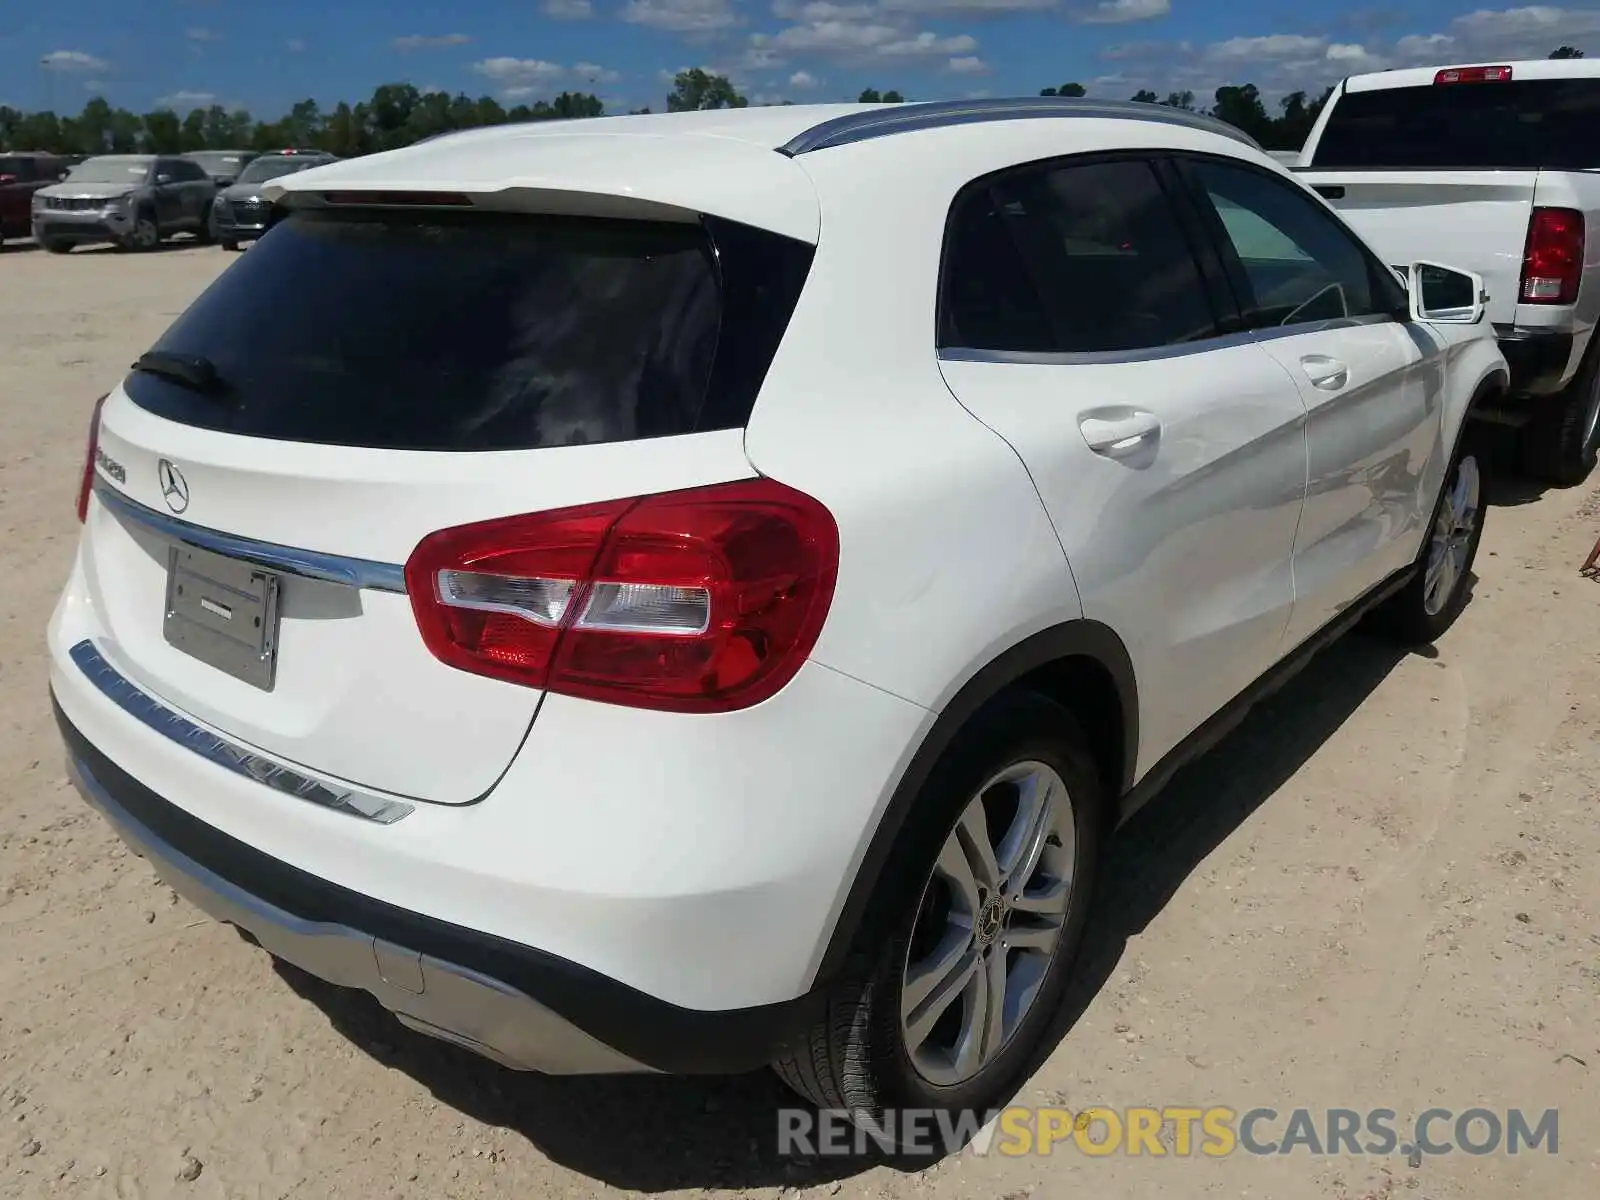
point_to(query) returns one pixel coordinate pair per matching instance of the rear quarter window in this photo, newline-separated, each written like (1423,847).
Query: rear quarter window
(477,331)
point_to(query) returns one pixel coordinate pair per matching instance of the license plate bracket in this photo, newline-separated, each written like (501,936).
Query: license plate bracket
(224,612)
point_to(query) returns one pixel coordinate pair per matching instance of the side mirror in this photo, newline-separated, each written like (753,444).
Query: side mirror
(1444,295)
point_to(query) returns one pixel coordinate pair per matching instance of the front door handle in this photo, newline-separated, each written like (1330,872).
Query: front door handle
(1119,433)
(1329,374)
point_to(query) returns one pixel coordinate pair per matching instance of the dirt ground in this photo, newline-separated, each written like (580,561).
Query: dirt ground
(1380,892)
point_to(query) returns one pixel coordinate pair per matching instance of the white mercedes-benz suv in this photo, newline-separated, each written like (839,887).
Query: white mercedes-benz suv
(687,592)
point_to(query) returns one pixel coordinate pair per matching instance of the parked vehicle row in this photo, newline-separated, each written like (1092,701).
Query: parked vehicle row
(691,591)
(137,201)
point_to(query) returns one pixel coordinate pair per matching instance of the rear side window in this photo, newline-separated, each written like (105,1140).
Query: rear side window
(1513,125)
(1298,266)
(1080,258)
(478,331)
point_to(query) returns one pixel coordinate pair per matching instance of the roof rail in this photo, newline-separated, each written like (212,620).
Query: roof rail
(907,118)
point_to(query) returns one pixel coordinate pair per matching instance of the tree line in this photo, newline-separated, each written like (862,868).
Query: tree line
(398,114)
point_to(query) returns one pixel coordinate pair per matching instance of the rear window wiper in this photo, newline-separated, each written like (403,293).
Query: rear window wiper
(192,371)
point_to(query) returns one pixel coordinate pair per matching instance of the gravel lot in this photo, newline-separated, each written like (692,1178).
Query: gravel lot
(1380,892)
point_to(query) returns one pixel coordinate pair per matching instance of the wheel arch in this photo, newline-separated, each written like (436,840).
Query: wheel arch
(1083,666)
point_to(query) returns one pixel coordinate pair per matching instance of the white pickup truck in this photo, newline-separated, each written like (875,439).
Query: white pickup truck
(1496,169)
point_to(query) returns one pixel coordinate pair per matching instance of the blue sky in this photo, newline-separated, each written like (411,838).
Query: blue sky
(264,56)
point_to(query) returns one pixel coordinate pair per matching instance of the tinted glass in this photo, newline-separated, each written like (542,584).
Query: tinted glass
(22,168)
(473,332)
(1517,125)
(1083,258)
(1299,265)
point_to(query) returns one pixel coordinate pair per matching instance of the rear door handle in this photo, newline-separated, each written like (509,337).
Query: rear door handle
(1329,374)
(1125,432)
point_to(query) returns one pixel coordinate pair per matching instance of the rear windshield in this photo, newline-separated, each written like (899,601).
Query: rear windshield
(1516,125)
(477,331)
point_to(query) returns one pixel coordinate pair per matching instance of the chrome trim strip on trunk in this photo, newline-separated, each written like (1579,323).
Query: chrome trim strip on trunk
(309,564)
(226,754)
(938,114)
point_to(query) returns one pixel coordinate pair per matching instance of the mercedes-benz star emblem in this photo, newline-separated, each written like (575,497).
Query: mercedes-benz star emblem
(174,487)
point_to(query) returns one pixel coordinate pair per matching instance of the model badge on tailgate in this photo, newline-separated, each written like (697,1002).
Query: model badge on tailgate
(110,465)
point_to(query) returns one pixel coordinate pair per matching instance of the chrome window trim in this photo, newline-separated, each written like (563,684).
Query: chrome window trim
(308,564)
(940,114)
(231,756)
(1153,353)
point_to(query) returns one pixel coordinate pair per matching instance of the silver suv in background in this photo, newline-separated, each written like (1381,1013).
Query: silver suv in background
(132,200)
(241,213)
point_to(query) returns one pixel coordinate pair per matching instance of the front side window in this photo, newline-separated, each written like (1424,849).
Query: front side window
(1078,258)
(1298,266)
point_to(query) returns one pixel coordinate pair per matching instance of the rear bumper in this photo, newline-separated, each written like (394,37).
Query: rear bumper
(1540,359)
(639,892)
(511,1003)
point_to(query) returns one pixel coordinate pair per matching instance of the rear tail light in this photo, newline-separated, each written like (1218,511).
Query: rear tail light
(703,600)
(1552,263)
(86,484)
(1473,75)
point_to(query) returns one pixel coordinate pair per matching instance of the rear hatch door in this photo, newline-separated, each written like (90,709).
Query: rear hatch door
(356,381)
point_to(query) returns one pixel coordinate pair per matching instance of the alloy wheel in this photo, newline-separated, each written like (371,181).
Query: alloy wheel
(989,923)
(1451,541)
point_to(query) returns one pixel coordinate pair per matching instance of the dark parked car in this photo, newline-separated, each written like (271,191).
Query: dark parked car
(222,165)
(242,213)
(21,175)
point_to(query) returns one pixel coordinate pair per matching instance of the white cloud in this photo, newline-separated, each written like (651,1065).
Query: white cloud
(515,72)
(1424,45)
(1263,49)
(682,16)
(1123,12)
(970,64)
(72,60)
(519,78)
(419,41)
(849,40)
(202,35)
(802,80)
(965,8)
(183,101)
(1279,63)
(594,73)
(568,10)
(861,32)
(295,45)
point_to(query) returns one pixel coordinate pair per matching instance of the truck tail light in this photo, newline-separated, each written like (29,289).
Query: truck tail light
(86,484)
(1552,262)
(1473,75)
(704,600)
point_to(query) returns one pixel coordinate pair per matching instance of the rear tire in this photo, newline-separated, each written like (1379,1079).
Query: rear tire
(1559,444)
(54,246)
(227,245)
(909,1023)
(1430,603)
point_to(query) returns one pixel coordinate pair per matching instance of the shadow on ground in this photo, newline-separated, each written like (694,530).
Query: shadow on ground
(653,1134)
